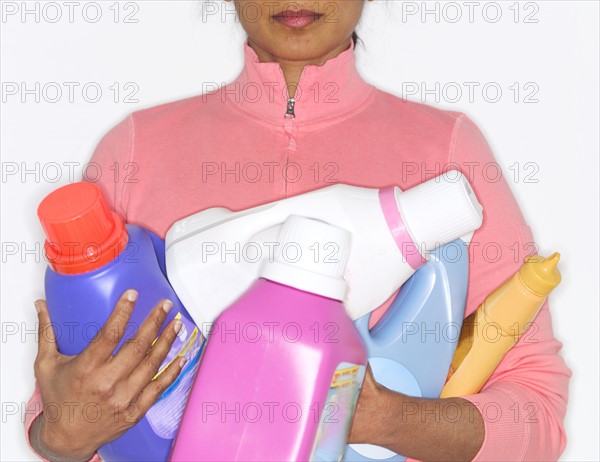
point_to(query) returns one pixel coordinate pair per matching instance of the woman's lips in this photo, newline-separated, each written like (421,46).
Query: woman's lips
(297,19)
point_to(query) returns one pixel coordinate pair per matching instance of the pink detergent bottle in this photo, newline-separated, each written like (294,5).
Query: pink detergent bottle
(284,364)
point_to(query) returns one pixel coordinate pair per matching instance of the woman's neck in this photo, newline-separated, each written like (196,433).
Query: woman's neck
(292,69)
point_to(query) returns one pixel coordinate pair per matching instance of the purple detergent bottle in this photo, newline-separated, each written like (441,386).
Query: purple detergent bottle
(93,258)
(284,364)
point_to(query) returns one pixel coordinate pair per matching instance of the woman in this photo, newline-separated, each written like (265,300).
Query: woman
(297,118)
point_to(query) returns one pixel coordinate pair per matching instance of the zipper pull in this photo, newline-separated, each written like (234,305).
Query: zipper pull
(290,114)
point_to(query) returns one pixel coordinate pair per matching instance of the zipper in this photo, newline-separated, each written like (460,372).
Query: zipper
(289,113)
(288,126)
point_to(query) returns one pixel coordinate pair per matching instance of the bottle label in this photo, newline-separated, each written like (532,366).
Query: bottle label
(165,415)
(336,414)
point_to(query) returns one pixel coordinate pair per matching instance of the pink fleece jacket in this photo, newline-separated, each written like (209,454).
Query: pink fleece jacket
(234,148)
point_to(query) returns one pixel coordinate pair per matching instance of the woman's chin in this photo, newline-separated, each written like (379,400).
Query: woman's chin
(300,46)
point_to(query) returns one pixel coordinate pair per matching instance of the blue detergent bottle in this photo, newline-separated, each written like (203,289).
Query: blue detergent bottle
(93,259)
(411,347)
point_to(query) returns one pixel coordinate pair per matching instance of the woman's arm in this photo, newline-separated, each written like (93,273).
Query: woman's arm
(424,429)
(517,416)
(111,154)
(34,420)
(524,402)
(121,387)
(519,413)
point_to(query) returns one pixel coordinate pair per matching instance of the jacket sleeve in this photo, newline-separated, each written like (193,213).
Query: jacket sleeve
(106,168)
(110,164)
(523,403)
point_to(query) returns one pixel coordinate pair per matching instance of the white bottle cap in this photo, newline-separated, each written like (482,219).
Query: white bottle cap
(440,210)
(311,255)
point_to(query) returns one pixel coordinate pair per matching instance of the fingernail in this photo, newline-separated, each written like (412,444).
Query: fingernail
(182,362)
(177,326)
(37,306)
(132,295)
(167,305)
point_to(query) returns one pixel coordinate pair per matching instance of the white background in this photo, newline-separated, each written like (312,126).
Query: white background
(172,50)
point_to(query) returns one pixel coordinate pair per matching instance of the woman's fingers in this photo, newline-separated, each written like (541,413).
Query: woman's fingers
(150,365)
(46,339)
(106,340)
(135,349)
(155,388)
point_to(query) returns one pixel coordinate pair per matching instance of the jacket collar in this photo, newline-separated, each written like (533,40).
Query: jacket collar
(324,93)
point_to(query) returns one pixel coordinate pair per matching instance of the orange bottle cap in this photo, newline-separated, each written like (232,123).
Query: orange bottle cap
(82,233)
(541,275)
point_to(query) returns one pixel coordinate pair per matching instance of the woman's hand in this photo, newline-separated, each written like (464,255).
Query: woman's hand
(419,428)
(94,397)
(369,408)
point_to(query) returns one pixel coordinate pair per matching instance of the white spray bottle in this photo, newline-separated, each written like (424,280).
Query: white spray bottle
(213,256)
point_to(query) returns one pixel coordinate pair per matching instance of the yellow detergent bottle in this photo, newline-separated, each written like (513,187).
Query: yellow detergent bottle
(498,324)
